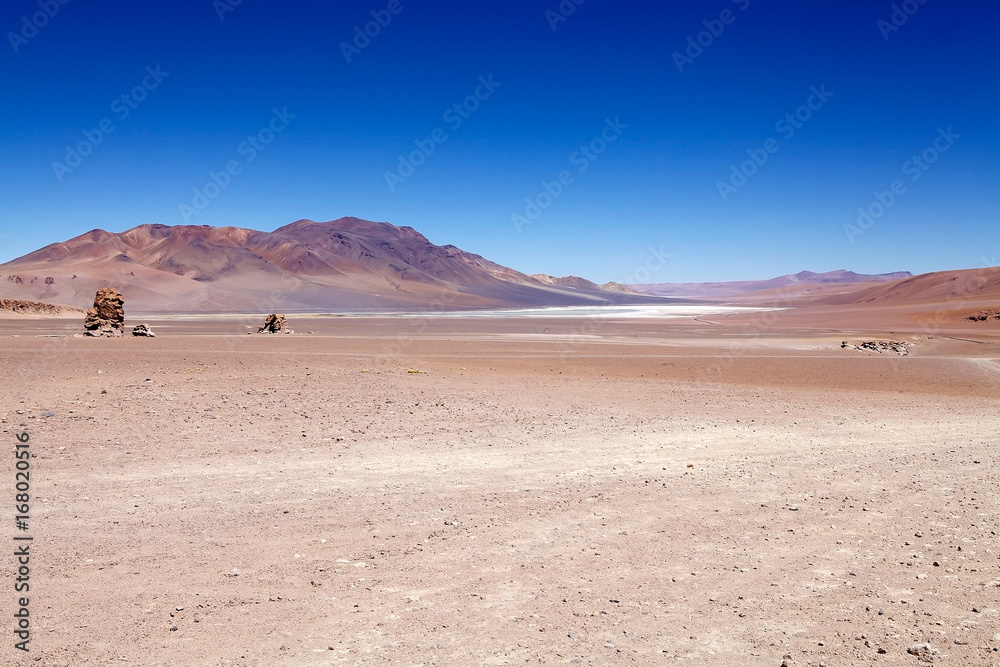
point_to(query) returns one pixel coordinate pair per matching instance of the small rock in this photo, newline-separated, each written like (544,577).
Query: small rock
(924,652)
(235,572)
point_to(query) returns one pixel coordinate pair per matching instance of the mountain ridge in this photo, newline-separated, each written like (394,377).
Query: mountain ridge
(348,263)
(734,288)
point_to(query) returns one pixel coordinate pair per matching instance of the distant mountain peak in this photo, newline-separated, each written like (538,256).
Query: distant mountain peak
(357,225)
(734,288)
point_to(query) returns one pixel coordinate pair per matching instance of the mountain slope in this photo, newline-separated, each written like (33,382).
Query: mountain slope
(952,288)
(342,264)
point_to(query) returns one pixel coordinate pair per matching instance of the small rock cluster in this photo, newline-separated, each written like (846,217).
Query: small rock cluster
(983,316)
(900,348)
(275,324)
(143,330)
(107,317)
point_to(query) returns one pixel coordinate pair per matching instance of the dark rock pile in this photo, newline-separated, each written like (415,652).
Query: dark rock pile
(983,316)
(275,324)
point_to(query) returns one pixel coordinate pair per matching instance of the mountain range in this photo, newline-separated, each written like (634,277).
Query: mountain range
(719,290)
(351,264)
(345,264)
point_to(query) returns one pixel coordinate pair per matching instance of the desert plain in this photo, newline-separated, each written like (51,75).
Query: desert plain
(734,489)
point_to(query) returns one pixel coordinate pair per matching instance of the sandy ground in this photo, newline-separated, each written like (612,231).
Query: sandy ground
(592,492)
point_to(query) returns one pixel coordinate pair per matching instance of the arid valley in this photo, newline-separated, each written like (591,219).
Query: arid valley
(483,334)
(735,490)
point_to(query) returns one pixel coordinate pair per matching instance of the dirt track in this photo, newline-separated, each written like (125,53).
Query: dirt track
(545,492)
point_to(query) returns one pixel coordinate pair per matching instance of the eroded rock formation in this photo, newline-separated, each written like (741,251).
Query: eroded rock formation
(900,348)
(275,324)
(107,316)
(984,316)
(22,307)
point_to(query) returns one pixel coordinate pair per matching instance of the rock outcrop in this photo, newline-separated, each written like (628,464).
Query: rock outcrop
(143,330)
(983,316)
(107,317)
(22,307)
(902,349)
(275,324)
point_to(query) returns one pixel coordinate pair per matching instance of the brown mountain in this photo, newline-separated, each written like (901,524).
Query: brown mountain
(348,264)
(955,289)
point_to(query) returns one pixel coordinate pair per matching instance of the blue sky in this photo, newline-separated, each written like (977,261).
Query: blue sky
(643,126)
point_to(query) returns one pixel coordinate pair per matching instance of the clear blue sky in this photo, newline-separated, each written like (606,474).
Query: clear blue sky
(656,185)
